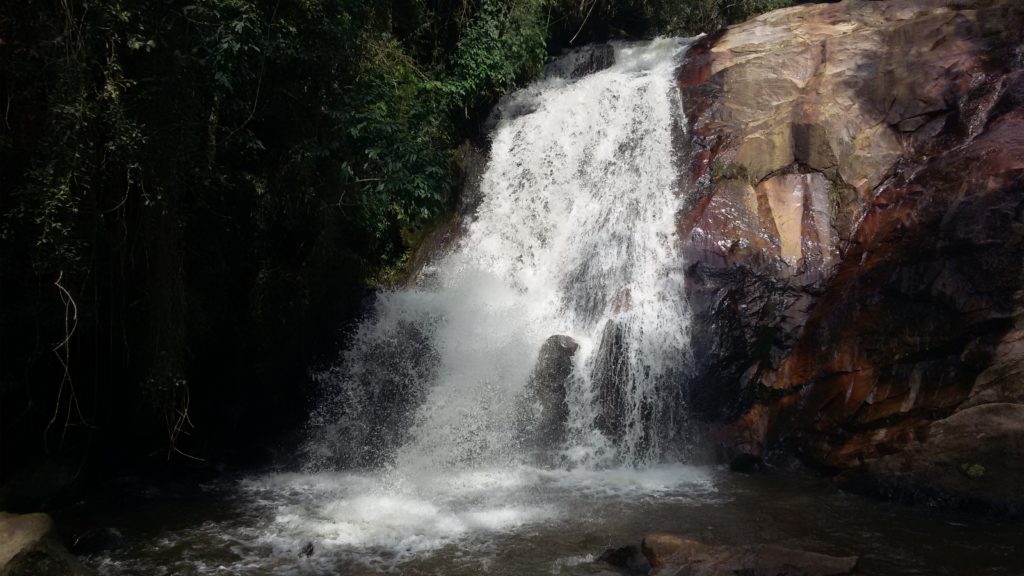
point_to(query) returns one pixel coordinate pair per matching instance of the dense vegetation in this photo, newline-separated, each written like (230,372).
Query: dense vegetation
(194,195)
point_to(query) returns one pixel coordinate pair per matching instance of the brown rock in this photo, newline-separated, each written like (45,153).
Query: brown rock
(670,554)
(975,455)
(854,259)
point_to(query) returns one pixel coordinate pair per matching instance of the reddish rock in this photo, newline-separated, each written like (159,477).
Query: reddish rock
(680,556)
(854,262)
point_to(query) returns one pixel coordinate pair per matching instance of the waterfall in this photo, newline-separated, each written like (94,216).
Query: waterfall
(574,235)
(528,387)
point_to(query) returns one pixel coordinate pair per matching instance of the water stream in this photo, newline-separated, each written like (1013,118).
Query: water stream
(574,235)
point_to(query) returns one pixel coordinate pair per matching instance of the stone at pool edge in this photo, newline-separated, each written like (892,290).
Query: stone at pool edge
(29,547)
(678,555)
(628,558)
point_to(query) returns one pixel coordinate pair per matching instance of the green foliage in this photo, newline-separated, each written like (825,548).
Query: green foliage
(504,43)
(397,115)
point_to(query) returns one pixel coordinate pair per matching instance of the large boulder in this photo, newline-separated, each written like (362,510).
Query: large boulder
(976,451)
(854,247)
(671,554)
(29,547)
(543,411)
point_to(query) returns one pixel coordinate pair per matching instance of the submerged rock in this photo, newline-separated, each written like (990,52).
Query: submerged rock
(854,249)
(680,556)
(28,547)
(628,558)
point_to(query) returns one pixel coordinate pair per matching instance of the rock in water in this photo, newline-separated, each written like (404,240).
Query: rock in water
(628,558)
(28,547)
(21,531)
(680,556)
(611,373)
(544,411)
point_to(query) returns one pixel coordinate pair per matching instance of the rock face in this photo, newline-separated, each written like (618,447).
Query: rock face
(670,554)
(28,547)
(856,249)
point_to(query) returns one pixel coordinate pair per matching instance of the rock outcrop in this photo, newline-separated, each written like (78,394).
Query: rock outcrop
(671,554)
(629,559)
(855,250)
(29,547)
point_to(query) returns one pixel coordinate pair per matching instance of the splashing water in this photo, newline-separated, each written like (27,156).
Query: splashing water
(574,235)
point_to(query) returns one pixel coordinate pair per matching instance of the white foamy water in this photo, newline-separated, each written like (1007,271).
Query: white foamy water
(486,520)
(383,520)
(574,235)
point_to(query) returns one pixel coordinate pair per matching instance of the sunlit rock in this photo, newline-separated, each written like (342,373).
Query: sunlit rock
(853,260)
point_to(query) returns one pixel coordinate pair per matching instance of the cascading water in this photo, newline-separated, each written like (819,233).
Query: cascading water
(574,235)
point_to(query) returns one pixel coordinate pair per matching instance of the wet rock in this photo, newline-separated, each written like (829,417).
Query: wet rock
(570,66)
(855,248)
(629,559)
(581,62)
(97,540)
(974,456)
(544,410)
(680,556)
(307,550)
(611,372)
(378,416)
(28,547)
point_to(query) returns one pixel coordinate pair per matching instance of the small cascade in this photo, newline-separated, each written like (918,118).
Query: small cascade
(574,236)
